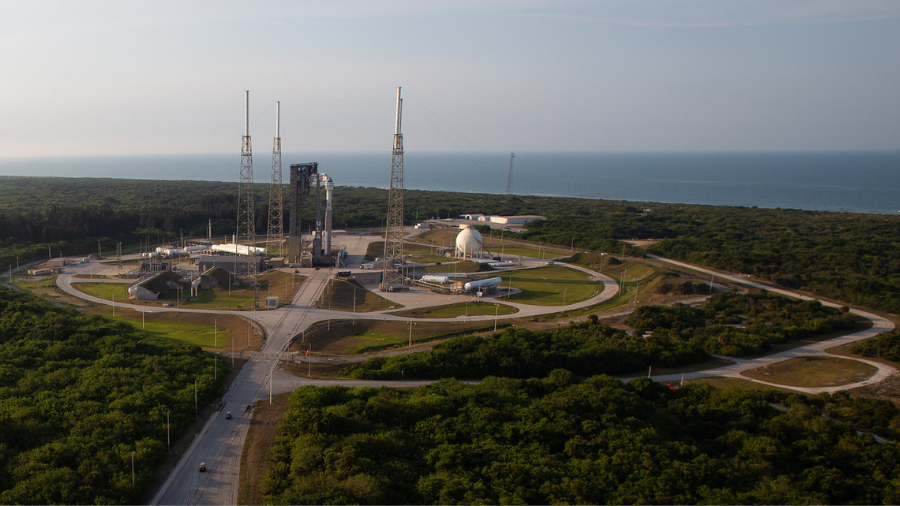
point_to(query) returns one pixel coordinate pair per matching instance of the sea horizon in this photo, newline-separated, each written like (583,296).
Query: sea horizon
(843,181)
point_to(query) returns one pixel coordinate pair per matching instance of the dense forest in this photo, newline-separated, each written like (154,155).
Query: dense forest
(665,336)
(80,395)
(739,324)
(886,346)
(558,440)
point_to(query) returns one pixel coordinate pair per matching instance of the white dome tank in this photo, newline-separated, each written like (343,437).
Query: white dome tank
(469,242)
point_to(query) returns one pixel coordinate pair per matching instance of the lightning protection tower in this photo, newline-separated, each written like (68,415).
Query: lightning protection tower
(246,224)
(509,178)
(393,235)
(275,232)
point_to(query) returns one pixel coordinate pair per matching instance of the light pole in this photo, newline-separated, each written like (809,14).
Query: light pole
(215,333)
(168,432)
(564,295)
(132,461)
(196,405)
(496,314)
(143,318)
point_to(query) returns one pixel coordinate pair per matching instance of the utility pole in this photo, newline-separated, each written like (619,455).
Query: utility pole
(393,234)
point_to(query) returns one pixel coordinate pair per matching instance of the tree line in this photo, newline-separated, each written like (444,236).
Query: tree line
(80,396)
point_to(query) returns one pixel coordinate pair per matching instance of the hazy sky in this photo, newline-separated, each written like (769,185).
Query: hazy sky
(92,77)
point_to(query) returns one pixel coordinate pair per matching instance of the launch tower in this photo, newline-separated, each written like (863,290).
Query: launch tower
(275,230)
(393,235)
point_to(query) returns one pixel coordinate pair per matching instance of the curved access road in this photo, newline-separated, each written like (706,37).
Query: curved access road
(879,326)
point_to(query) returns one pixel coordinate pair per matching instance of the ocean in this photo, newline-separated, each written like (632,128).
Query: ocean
(862,182)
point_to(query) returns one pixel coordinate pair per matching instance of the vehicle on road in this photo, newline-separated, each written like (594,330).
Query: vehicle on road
(202,467)
(228,415)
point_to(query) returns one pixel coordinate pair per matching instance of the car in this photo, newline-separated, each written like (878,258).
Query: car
(228,415)
(202,467)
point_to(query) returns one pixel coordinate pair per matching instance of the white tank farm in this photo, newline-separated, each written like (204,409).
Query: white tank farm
(469,242)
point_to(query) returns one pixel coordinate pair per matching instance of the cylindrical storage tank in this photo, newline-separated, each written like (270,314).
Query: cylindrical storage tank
(481,284)
(431,278)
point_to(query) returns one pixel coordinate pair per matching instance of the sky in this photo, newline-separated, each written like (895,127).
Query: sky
(107,77)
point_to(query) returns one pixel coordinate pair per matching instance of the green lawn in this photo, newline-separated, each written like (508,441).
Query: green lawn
(31,283)
(107,291)
(345,337)
(454,310)
(205,336)
(551,286)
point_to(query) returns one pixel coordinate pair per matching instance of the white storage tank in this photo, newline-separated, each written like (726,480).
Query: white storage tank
(481,284)
(431,278)
(469,242)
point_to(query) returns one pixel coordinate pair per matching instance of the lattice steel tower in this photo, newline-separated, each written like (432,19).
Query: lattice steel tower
(275,231)
(246,224)
(393,234)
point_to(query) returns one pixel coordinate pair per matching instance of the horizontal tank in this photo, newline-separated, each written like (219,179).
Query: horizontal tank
(471,286)
(431,278)
(238,249)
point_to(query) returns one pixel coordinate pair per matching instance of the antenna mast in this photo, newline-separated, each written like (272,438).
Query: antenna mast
(509,179)
(275,231)
(246,224)
(393,234)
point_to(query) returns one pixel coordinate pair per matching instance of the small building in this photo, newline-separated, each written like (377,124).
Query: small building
(471,217)
(272,302)
(516,220)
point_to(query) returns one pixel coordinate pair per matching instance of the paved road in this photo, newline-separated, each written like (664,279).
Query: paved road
(219,443)
(879,325)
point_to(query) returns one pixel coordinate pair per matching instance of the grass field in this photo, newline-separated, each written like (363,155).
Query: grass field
(813,372)
(346,337)
(454,310)
(107,291)
(275,283)
(553,285)
(209,331)
(349,295)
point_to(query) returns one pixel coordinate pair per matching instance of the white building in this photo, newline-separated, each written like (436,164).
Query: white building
(516,220)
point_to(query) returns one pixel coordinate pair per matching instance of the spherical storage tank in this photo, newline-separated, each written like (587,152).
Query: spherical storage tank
(469,242)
